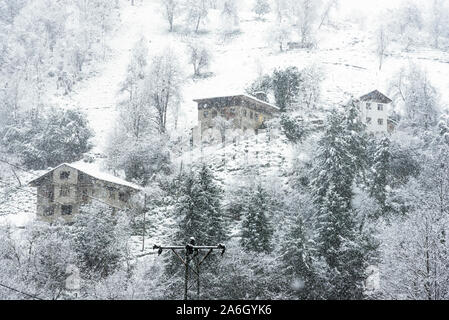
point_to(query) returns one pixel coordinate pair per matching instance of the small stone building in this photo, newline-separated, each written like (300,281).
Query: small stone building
(247,112)
(374,110)
(62,190)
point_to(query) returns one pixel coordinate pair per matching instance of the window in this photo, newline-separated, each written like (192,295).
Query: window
(123,196)
(66,210)
(380,107)
(64,191)
(49,211)
(380,121)
(251,114)
(256,116)
(48,193)
(232,111)
(368,106)
(368,120)
(214,113)
(205,113)
(64,175)
(244,112)
(85,195)
(111,192)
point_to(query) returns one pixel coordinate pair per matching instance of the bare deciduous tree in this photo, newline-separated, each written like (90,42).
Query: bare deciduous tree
(197,11)
(306,14)
(171,9)
(328,6)
(199,57)
(382,42)
(163,82)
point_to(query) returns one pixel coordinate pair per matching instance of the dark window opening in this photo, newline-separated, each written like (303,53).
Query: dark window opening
(111,193)
(64,175)
(123,196)
(380,107)
(49,211)
(214,113)
(85,195)
(64,191)
(66,210)
(380,121)
(368,120)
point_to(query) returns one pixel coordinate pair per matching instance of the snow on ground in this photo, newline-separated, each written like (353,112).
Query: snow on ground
(17,202)
(346,57)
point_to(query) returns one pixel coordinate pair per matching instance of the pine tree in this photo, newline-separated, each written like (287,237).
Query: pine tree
(341,158)
(192,221)
(380,174)
(256,228)
(209,201)
(342,249)
(297,256)
(199,207)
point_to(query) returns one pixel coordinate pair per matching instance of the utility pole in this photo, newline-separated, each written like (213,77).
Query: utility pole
(191,253)
(144,221)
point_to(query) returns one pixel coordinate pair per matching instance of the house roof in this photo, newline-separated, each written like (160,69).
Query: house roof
(376,96)
(92,171)
(242,95)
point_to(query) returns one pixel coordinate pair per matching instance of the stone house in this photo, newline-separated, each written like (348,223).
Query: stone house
(374,111)
(245,111)
(62,190)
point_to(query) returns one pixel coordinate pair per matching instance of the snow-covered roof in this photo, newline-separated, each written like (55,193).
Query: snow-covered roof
(244,95)
(375,96)
(94,172)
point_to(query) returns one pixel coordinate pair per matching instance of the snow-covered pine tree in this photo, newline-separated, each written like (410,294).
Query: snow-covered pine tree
(199,206)
(298,251)
(338,163)
(380,173)
(341,247)
(257,231)
(209,202)
(192,221)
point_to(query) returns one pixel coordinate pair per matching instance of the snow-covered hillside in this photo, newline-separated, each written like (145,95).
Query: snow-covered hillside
(346,56)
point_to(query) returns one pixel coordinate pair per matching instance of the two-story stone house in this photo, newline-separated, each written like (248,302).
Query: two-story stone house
(62,190)
(374,110)
(247,112)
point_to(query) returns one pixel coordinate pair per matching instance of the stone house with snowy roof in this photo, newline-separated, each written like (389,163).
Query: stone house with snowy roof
(245,111)
(374,112)
(62,190)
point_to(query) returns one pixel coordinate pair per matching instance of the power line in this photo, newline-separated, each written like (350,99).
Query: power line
(19,291)
(18,167)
